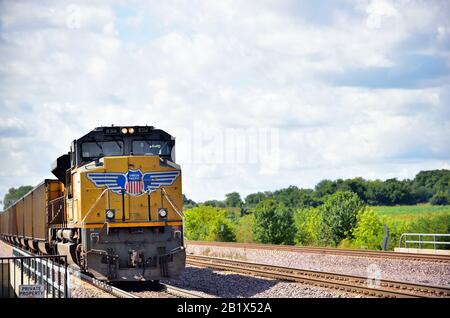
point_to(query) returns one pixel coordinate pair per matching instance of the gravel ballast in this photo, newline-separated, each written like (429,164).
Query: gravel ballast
(81,289)
(420,272)
(218,283)
(232,285)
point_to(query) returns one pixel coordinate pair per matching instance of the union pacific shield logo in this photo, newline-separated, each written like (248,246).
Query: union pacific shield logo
(134,182)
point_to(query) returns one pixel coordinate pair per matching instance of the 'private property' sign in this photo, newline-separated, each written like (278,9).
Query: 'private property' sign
(31,291)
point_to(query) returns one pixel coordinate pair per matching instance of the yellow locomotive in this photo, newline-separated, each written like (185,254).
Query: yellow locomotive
(115,209)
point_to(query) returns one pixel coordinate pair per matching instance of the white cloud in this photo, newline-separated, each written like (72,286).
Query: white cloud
(227,65)
(377,11)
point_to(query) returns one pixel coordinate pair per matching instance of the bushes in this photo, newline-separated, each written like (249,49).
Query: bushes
(244,229)
(440,198)
(206,223)
(369,230)
(273,223)
(339,215)
(308,223)
(341,221)
(396,229)
(329,223)
(431,224)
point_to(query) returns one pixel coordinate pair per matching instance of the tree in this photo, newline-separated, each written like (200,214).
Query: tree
(206,223)
(356,185)
(325,187)
(368,232)
(253,199)
(15,194)
(376,194)
(437,180)
(215,203)
(398,192)
(244,229)
(188,203)
(391,192)
(308,222)
(422,193)
(273,223)
(233,200)
(440,198)
(339,214)
(428,183)
(294,198)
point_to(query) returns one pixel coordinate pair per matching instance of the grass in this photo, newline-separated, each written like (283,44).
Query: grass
(410,212)
(421,218)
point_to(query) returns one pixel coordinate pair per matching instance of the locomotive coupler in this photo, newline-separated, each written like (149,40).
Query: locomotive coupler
(133,258)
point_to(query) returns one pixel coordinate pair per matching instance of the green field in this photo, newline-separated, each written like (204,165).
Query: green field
(423,218)
(412,212)
(410,209)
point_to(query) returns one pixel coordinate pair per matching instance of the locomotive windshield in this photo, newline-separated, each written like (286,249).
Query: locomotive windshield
(102,149)
(151,147)
(121,141)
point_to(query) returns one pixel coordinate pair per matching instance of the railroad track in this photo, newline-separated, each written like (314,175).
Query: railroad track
(117,292)
(140,290)
(330,251)
(122,293)
(348,283)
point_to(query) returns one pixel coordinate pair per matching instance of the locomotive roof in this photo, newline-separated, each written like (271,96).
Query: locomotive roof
(150,131)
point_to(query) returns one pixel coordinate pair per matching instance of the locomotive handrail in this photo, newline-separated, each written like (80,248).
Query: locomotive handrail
(92,206)
(54,218)
(56,199)
(52,203)
(180,213)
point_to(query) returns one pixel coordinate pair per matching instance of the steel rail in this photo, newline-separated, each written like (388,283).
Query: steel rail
(176,291)
(120,293)
(349,283)
(328,250)
(183,293)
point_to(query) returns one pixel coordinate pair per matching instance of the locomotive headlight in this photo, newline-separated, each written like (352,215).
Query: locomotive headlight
(162,212)
(110,214)
(131,130)
(124,130)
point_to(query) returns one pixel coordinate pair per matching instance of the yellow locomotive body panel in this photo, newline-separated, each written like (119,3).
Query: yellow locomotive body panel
(90,202)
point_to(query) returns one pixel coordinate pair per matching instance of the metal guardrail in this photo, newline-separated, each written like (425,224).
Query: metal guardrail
(422,242)
(43,271)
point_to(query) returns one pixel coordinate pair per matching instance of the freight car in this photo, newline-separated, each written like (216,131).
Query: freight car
(115,209)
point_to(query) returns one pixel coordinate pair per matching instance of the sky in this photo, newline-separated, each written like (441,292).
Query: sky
(260,95)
